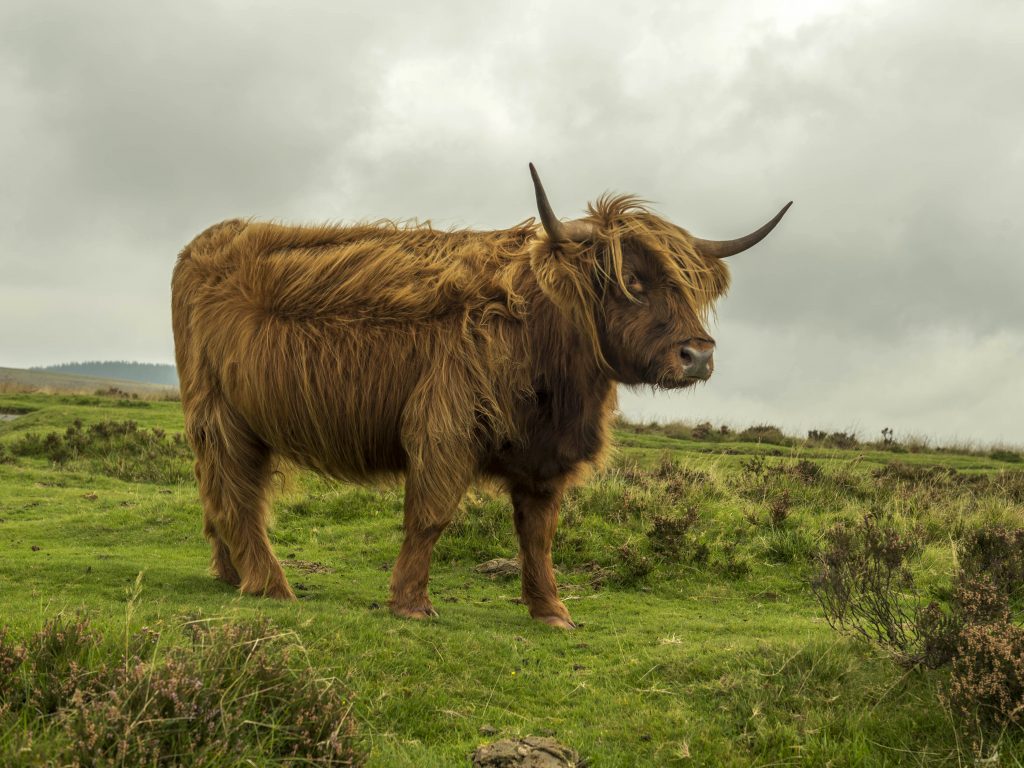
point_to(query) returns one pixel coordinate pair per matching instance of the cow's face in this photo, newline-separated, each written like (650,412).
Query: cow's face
(637,286)
(651,330)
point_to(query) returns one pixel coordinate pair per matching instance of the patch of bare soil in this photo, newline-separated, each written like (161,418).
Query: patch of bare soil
(307,566)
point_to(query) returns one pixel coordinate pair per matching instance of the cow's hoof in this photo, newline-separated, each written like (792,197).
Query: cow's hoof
(562,622)
(418,611)
(232,580)
(227,574)
(274,591)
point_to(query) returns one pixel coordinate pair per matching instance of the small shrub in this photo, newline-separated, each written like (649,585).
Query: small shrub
(633,566)
(702,431)
(997,554)
(668,466)
(1004,455)
(677,431)
(11,658)
(236,690)
(754,467)
(806,471)
(672,538)
(118,393)
(764,433)
(686,481)
(861,586)
(986,684)
(778,510)
(51,665)
(842,440)
(861,580)
(1009,484)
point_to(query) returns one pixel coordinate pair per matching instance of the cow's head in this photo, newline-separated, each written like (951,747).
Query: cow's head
(638,286)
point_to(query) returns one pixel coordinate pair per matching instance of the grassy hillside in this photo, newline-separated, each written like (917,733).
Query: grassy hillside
(687,564)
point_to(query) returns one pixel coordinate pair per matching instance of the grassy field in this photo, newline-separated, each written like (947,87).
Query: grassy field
(687,563)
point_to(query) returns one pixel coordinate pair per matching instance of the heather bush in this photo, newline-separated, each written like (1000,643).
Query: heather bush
(1001,454)
(765,433)
(986,684)
(865,587)
(996,553)
(673,538)
(237,692)
(863,580)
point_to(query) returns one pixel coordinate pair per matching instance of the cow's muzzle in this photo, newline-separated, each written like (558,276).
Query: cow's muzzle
(697,354)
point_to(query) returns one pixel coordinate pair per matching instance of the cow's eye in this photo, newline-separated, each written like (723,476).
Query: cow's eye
(634,284)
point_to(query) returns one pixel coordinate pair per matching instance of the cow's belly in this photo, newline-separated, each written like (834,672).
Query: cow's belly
(329,401)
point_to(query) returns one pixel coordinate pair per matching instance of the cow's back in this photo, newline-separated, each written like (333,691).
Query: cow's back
(321,386)
(328,342)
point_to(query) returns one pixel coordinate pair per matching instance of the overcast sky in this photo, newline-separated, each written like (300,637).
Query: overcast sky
(890,295)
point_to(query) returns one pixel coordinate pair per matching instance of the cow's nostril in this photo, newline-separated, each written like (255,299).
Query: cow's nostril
(696,359)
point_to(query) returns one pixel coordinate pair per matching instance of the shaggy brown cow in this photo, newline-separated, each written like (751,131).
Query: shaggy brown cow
(379,349)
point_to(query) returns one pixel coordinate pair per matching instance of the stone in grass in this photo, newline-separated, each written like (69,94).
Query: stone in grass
(528,752)
(499,566)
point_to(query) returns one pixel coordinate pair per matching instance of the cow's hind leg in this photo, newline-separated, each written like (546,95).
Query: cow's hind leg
(536,519)
(220,561)
(428,510)
(234,469)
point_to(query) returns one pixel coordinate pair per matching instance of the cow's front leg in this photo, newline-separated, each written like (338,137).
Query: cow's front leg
(536,518)
(429,507)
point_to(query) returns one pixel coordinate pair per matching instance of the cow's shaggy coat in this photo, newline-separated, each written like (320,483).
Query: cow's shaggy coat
(383,349)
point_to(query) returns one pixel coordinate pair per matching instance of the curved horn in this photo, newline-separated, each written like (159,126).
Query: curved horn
(720,249)
(558,232)
(551,223)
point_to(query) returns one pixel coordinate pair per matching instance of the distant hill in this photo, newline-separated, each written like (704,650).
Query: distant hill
(122,370)
(20,380)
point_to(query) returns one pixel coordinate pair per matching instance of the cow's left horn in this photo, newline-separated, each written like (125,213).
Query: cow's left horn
(720,249)
(558,231)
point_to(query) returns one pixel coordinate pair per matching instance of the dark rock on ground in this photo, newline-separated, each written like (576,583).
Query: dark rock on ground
(528,752)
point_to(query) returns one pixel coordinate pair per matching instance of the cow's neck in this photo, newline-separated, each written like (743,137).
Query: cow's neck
(575,398)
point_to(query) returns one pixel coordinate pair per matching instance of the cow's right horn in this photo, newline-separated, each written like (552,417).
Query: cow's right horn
(721,249)
(558,232)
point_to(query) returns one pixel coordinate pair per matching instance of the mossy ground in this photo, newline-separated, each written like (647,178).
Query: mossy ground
(703,648)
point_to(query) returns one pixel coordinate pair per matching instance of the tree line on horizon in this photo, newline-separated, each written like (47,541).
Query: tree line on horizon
(126,370)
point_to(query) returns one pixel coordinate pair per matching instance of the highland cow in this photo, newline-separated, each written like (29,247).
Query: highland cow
(442,356)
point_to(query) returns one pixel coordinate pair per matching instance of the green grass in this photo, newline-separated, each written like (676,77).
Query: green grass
(703,648)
